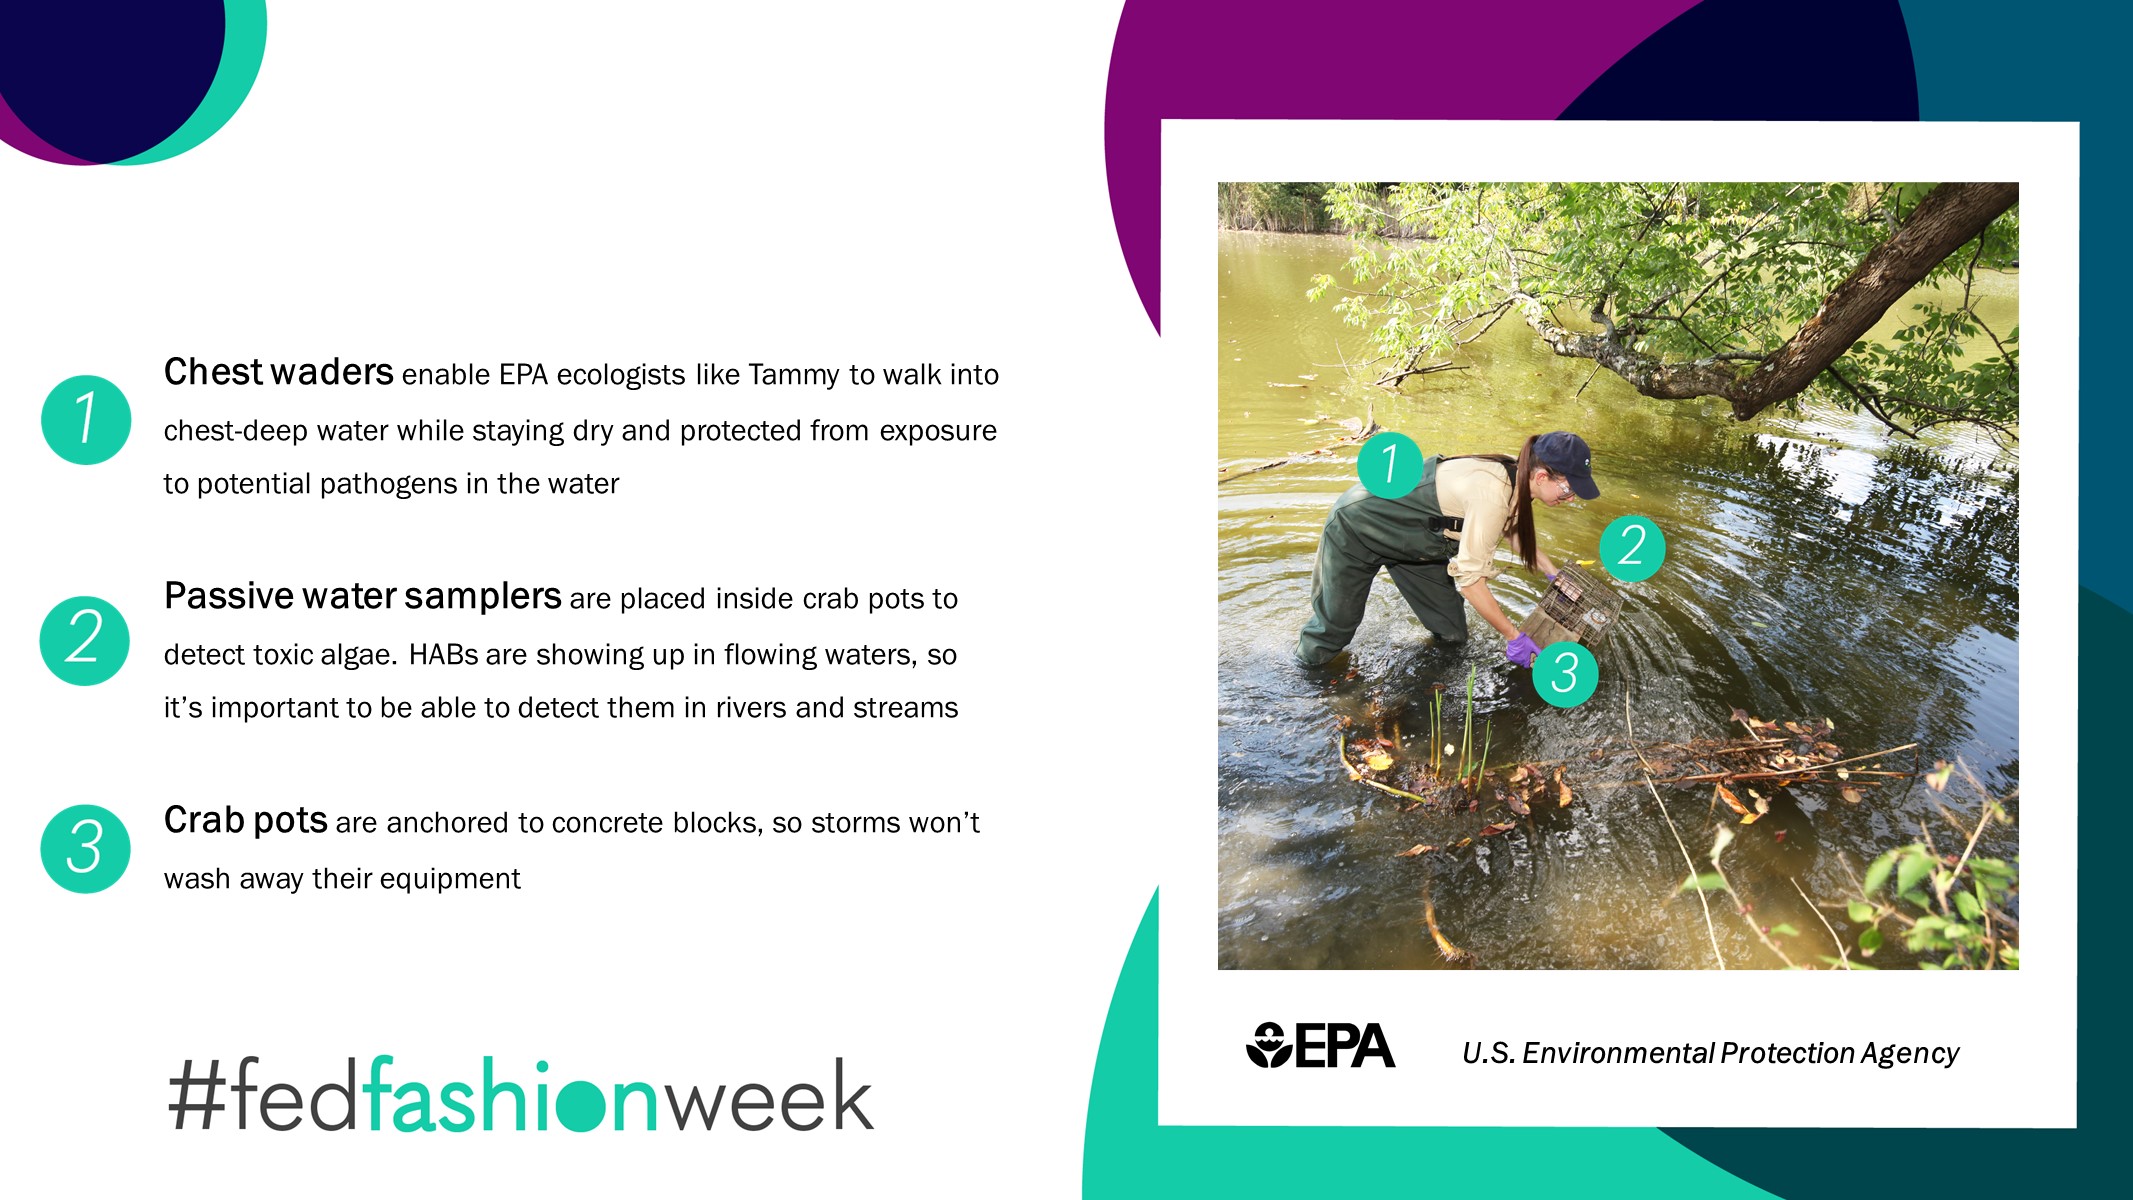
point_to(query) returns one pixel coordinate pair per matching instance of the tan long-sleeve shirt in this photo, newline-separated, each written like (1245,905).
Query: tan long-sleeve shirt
(1478,491)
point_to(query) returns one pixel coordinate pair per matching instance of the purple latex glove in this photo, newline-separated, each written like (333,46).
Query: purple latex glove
(1521,650)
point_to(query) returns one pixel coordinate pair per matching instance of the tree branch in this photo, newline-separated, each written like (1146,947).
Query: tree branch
(1949,216)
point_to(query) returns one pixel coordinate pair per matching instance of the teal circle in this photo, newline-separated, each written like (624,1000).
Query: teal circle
(580,1107)
(1633,548)
(1390,465)
(85,848)
(1564,674)
(244,44)
(86,419)
(84,640)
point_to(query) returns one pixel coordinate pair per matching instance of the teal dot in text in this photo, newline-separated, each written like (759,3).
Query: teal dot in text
(580,1107)
(1390,465)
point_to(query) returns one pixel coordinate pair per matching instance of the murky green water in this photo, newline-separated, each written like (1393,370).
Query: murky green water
(1815,568)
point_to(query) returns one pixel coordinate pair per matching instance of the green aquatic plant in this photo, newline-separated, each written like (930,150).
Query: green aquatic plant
(1466,731)
(1950,909)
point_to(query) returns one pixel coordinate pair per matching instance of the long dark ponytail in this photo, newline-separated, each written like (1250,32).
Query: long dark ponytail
(1521,497)
(1522,505)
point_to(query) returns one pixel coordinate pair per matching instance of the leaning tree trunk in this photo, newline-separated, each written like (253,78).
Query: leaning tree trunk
(1950,215)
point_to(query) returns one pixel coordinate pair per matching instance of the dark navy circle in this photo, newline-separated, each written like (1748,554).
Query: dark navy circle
(105,80)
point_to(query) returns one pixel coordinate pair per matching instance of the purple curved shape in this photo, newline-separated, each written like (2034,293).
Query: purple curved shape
(19,135)
(1251,59)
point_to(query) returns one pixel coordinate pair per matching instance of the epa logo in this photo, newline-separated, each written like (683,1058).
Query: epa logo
(1269,1047)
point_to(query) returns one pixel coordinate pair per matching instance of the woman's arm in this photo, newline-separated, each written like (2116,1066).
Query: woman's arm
(1477,594)
(1540,556)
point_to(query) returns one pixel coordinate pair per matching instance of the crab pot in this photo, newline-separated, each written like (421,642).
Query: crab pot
(1578,607)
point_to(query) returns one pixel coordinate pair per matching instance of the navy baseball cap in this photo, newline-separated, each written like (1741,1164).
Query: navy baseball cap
(1567,455)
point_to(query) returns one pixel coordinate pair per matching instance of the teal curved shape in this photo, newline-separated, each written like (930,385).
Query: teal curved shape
(244,47)
(1126,1154)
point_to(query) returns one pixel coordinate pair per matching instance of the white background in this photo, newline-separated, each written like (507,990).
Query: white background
(2016,1030)
(422,183)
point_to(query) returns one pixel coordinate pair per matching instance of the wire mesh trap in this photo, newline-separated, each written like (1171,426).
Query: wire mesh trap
(1578,607)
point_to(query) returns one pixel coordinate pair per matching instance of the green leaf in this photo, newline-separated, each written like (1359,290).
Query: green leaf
(1859,911)
(1708,882)
(1968,905)
(1869,940)
(1783,930)
(1918,900)
(1878,873)
(1911,868)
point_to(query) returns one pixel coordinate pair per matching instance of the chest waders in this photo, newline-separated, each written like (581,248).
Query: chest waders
(1405,536)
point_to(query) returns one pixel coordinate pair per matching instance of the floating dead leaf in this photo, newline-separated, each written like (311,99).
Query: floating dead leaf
(1762,806)
(1563,794)
(1379,761)
(1843,774)
(1498,827)
(1937,778)
(1463,843)
(1411,851)
(1732,801)
(1796,727)
(1521,773)
(1852,796)
(1517,804)
(1588,562)
(1828,748)
(1751,818)
(1741,715)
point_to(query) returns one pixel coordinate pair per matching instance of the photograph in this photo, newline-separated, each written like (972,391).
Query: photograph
(1618,576)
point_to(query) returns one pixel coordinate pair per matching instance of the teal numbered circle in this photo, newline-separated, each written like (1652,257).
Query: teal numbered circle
(86,419)
(1390,465)
(84,640)
(1632,548)
(1564,674)
(85,848)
